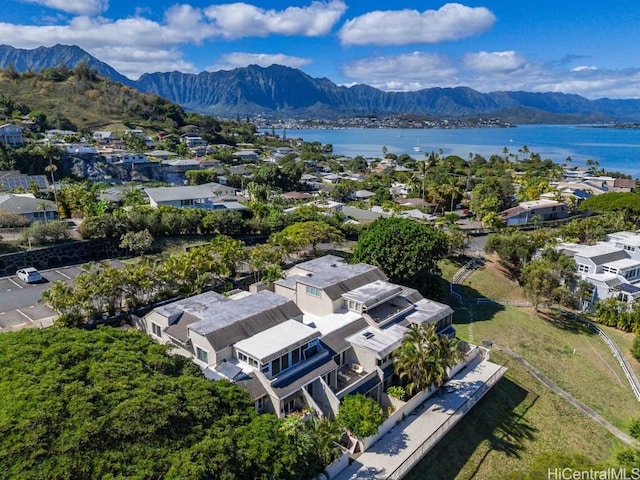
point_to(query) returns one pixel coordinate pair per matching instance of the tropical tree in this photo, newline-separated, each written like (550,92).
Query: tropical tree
(548,278)
(405,250)
(300,235)
(360,415)
(424,357)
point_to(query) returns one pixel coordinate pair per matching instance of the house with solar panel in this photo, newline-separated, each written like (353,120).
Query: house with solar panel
(328,329)
(612,267)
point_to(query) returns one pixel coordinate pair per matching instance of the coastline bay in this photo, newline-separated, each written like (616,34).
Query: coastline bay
(614,149)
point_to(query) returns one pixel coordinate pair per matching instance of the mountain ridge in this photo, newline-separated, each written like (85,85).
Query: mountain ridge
(282,91)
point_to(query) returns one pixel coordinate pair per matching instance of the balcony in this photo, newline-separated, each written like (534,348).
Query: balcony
(349,375)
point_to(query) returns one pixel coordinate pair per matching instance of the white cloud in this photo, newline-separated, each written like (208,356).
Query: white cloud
(404,27)
(233,60)
(236,20)
(504,62)
(78,7)
(405,72)
(490,72)
(583,68)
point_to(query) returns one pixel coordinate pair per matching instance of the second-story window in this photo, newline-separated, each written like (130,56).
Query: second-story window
(202,355)
(313,291)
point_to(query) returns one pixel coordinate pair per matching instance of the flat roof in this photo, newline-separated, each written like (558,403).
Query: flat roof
(627,238)
(167,194)
(373,292)
(330,270)
(275,341)
(380,342)
(429,311)
(227,313)
(624,263)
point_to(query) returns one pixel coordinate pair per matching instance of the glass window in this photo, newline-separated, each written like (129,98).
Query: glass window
(295,356)
(156,330)
(313,291)
(202,355)
(284,361)
(275,367)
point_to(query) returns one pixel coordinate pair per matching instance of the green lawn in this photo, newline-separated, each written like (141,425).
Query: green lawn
(520,419)
(569,354)
(517,420)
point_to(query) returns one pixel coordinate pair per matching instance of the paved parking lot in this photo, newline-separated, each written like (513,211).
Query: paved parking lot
(20,303)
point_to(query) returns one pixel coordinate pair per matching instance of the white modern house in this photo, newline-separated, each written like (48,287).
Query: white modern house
(612,267)
(209,196)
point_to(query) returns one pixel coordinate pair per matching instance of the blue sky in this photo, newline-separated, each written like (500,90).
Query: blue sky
(587,47)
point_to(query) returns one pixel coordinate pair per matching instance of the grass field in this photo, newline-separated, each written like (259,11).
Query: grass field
(519,418)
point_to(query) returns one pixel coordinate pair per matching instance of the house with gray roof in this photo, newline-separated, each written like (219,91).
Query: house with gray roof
(611,267)
(328,329)
(28,206)
(209,196)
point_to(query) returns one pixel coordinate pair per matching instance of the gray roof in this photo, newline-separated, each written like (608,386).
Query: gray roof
(169,194)
(252,385)
(25,204)
(292,383)
(197,305)
(180,330)
(232,321)
(609,257)
(429,311)
(336,340)
(373,293)
(331,274)
(362,215)
(380,342)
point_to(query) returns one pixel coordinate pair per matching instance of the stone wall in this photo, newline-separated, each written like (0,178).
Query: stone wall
(70,253)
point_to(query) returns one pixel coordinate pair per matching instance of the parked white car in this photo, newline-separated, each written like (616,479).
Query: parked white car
(29,275)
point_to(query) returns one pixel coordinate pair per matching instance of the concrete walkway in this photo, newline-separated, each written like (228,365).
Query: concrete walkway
(399,450)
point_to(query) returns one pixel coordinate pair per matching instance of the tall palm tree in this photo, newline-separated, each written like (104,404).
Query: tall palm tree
(424,357)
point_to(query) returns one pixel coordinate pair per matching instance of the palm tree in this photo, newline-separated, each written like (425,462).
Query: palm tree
(424,357)
(50,151)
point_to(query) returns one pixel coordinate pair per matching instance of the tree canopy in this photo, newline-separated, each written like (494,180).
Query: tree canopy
(407,251)
(112,404)
(360,415)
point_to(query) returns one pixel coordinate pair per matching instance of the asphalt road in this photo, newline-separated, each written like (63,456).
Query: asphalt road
(20,303)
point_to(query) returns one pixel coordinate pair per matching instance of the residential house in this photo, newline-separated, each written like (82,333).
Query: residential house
(328,329)
(192,140)
(526,211)
(209,196)
(11,135)
(103,137)
(611,267)
(125,158)
(27,205)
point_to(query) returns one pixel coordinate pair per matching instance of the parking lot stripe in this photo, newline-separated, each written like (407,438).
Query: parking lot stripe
(15,283)
(64,275)
(25,315)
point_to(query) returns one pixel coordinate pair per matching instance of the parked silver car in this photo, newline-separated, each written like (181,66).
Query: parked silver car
(29,275)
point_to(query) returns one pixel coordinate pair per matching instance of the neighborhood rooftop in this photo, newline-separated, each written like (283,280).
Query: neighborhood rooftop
(275,341)
(226,314)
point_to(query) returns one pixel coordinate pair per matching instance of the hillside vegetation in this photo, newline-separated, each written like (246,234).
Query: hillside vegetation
(81,100)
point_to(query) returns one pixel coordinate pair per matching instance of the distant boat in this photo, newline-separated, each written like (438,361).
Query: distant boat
(417,147)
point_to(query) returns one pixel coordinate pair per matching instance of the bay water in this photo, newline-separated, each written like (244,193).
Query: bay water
(615,149)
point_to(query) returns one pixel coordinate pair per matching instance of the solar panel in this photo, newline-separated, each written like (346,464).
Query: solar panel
(25,181)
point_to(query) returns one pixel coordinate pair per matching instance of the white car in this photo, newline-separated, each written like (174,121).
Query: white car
(29,275)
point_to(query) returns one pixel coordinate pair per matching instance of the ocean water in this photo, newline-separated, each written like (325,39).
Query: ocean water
(614,149)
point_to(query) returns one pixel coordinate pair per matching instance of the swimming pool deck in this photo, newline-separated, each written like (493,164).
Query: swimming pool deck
(395,454)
